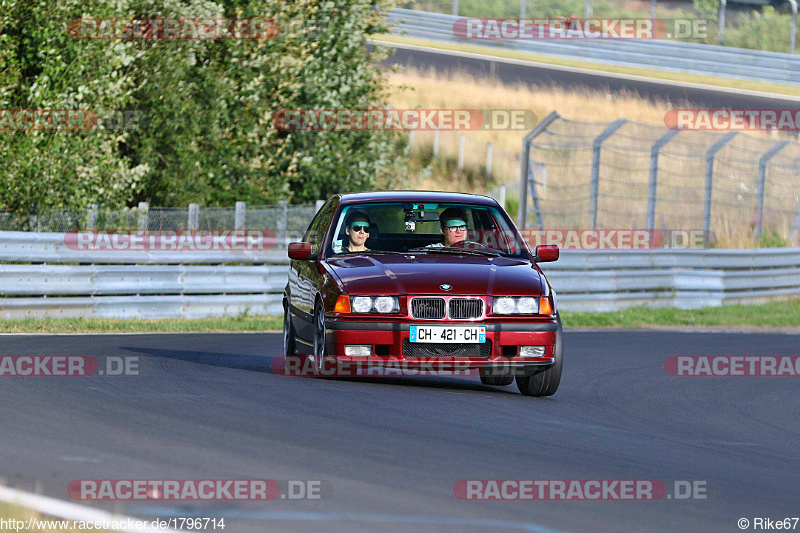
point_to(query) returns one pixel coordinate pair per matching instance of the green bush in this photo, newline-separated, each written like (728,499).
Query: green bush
(208,136)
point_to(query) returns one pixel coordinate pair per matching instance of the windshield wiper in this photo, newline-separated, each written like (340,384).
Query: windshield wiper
(367,252)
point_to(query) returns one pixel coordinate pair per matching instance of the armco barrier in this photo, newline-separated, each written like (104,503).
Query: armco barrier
(40,277)
(676,56)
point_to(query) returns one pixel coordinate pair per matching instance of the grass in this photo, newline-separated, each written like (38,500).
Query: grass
(172,325)
(729,83)
(22,514)
(777,314)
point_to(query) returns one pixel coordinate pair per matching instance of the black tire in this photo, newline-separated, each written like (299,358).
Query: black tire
(319,336)
(545,382)
(289,342)
(490,376)
(292,362)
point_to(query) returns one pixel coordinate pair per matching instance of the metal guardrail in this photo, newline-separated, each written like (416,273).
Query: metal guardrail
(583,280)
(659,54)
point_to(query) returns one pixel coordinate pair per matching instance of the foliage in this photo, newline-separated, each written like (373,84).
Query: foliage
(203,130)
(767,30)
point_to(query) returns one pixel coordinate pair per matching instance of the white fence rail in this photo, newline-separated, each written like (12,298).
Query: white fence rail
(40,277)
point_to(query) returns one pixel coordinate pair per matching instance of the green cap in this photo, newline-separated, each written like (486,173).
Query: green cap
(454,222)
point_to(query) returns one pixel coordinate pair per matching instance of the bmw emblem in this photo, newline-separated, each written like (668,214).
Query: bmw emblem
(446,287)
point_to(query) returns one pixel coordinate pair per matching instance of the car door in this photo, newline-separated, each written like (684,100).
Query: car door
(305,277)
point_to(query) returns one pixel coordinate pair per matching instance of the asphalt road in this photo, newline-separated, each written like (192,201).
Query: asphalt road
(541,75)
(388,451)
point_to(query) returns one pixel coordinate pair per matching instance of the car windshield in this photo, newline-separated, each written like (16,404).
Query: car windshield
(409,227)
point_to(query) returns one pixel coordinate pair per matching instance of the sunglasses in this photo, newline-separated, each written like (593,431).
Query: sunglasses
(457,228)
(359,227)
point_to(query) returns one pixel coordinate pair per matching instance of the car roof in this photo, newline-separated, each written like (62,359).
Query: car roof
(416,196)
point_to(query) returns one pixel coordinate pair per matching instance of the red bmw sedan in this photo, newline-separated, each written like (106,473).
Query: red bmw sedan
(417,278)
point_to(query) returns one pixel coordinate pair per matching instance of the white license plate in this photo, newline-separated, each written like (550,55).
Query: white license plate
(447,334)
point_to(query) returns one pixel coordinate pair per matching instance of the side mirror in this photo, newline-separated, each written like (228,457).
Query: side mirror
(300,250)
(546,253)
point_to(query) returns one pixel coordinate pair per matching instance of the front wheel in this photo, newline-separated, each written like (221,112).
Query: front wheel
(545,382)
(319,336)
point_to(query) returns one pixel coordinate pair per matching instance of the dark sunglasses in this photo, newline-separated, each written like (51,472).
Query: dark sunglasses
(359,227)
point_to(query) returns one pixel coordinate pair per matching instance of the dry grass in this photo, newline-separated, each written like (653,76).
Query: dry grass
(625,174)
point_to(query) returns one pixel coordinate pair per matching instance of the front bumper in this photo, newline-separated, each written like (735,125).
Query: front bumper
(390,345)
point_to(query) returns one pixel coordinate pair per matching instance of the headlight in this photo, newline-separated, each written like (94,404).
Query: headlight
(375,304)
(523,305)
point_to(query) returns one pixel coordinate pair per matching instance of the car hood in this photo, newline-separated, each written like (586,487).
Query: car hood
(423,274)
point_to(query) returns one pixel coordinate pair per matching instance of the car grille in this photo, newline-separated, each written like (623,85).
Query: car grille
(432,349)
(461,308)
(427,308)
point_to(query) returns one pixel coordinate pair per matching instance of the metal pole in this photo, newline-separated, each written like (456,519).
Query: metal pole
(653,185)
(522,9)
(653,9)
(460,150)
(795,225)
(762,185)
(793,34)
(455,7)
(712,152)
(143,208)
(489,159)
(240,214)
(194,216)
(91,223)
(722,6)
(522,211)
(597,144)
(587,9)
(435,142)
(536,207)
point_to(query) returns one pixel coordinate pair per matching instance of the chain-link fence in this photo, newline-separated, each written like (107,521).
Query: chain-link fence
(741,190)
(288,222)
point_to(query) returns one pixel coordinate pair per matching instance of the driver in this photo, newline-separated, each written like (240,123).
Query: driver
(453,223)
(357,230)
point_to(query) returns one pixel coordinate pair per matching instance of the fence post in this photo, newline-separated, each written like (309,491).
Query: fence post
(652,186)
(143,216)
(239,216)
(762,185)
(710,155)
(91,217)
(522,9)
(435,142)
(722,6)
(587,9)
(489,159)
(284,223)
(455,7)
(461,138)
(793,33)
(795,225)
(535,194)
(653,9)
(524,170)
(194,216)
(597,145)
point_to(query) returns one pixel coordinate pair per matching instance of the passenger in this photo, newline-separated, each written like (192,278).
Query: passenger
(357,230)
